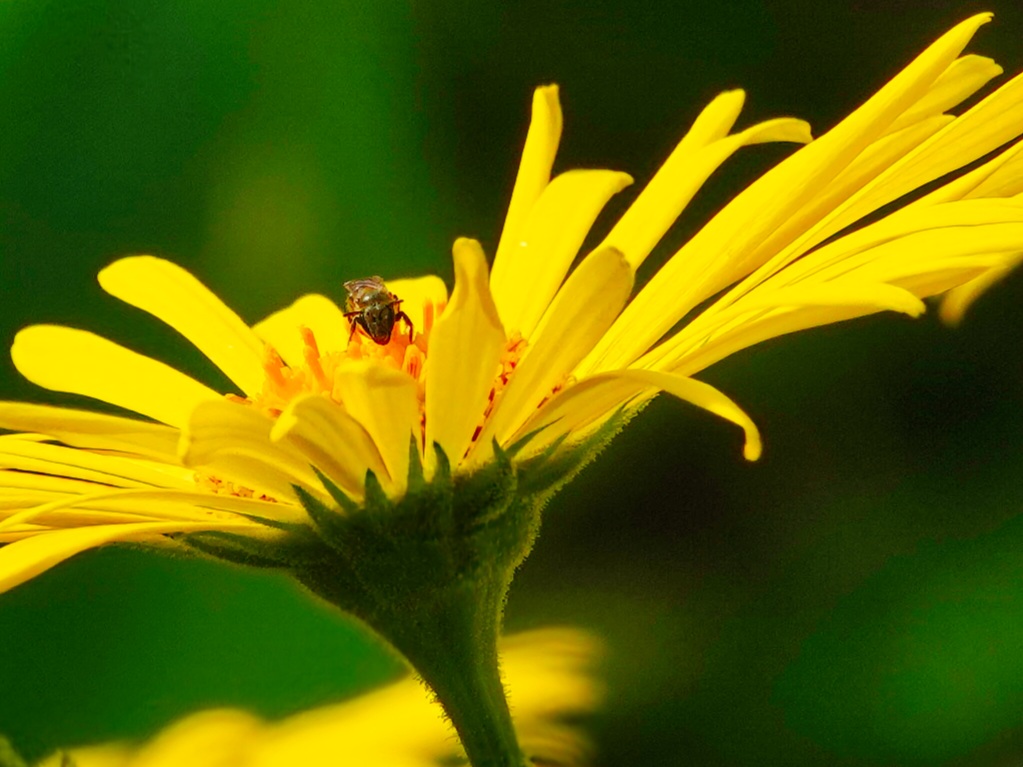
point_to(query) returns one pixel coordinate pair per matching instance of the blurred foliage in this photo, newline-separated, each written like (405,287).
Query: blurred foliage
(854,599)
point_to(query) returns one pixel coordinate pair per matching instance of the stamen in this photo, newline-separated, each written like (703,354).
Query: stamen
(311,354)
(273,366)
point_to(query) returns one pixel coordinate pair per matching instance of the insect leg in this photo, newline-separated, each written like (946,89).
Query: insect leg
(402,316)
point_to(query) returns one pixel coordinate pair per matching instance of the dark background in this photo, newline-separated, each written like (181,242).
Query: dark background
(855,598)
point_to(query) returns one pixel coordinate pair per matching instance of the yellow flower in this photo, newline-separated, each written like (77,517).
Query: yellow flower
(548,672)
(533,351)
(400,476)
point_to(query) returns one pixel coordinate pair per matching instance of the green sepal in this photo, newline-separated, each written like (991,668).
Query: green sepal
(300,546)
(484,495)
(547,472)
(326,519)
(416,477)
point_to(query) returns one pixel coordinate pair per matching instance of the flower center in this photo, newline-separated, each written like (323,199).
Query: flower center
(317,373)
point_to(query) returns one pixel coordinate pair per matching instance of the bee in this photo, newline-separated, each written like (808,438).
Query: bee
(372,307)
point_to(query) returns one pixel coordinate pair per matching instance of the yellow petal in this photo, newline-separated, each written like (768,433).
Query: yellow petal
(770,313)
(999,177)
(232,441)
(898,237)
(318,313)
(582,311)
(384,402)
(333,441)
(73,502)
(920,252)
(415,293)
(960,223)
(64,461)
(538,261)
(985,127)
(680,178)
(769,213)
(80,428)
(955,303)
(714,122)
(78,362)
(465,350)
(24,560)
(964,77)
(599,396)
(534,168)
(171,294)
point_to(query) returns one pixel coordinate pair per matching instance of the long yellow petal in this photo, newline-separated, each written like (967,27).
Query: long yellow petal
(465,349)
(384,402)
(538,261)
(985,127)
(534,170)
(64,461)
(693,350)
(582,311)
(769,213)
(78,362)
(964,77)
(81,428)
(905,236)
(940,276)
(680,178)
(332,440)
(599,396)
(171,294)
(24,560)
(318,313)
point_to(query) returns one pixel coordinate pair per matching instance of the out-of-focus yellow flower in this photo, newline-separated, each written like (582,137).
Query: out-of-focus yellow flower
(532,354)
(549,676)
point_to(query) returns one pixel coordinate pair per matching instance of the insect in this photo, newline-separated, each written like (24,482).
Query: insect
(372,307)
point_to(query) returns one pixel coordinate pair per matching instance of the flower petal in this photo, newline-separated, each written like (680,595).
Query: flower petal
(384,401)
(537,263)
(776,313)
(582,311)
(685,171)
(964,77)
(600,395)
(534,168)
(770,213)
(465,349)
(78,362)
(333,441)
(318,313)
(171,294)
(232,441)
(24,560)
(81,428)
(58,460)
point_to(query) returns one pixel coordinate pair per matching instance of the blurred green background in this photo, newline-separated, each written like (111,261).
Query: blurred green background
(855,598)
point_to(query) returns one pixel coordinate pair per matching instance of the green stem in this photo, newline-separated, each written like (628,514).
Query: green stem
(429,573)
(454,650)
